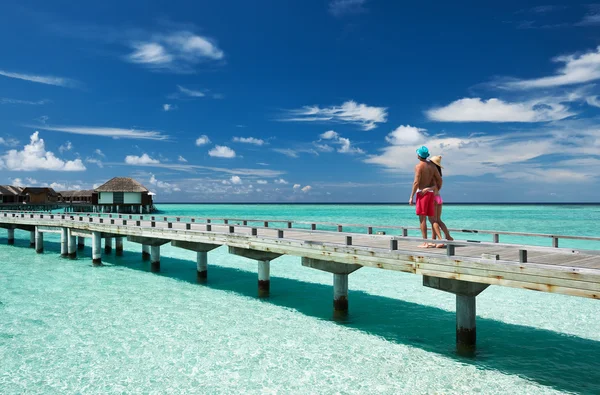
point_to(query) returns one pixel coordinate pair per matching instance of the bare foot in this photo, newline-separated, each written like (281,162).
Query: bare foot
(424,245)
(449,238)
(431,245)
(440,246)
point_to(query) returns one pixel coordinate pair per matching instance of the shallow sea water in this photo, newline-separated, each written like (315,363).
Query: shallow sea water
(66,327)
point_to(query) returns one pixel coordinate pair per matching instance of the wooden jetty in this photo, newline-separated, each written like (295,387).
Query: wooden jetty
(464,268)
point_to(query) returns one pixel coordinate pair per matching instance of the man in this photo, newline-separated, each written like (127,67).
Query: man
(426,176)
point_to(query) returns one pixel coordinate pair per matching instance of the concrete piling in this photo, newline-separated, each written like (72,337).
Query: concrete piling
(10,236)
(155,259)
(39,241)
(96,246)
(145,252)
(202,265)
(466,333)
(264,278)
(340,293)
(32,239)
(64,242)
(72,244)
(108,245)
(80,242)
(118,246)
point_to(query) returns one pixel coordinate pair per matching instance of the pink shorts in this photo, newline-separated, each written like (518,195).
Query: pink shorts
(438,200)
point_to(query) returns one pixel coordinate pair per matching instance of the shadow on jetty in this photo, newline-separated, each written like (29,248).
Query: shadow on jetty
(566,363)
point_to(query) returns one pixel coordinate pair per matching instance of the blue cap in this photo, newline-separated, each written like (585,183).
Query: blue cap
(423,152)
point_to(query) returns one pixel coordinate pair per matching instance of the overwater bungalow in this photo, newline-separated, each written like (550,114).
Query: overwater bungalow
(40,195)
(74,197)
(11,194)
(122,195)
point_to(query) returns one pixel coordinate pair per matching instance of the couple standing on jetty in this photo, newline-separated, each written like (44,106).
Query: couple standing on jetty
(427,185)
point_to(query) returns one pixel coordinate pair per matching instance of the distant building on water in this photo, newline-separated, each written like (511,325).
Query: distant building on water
(122,195)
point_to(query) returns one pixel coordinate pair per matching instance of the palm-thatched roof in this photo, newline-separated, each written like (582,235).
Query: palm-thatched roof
(9,190)
(121,184)
(76,193)
(37,190)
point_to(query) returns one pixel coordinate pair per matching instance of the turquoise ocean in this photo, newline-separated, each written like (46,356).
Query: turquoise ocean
(69,328)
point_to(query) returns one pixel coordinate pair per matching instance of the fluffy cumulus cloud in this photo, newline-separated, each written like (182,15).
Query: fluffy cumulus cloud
(159,184)
(306,189)
(236,180)
(202,140)
(496,110)
(365,116)
(34,156)
(168,107)
(221,151)
(281,181)
(575,69)
(406,134)
(178,51)
(248,140)
(297,186)
(145,159)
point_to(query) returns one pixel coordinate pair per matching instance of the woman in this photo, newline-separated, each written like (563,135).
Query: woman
(437,161)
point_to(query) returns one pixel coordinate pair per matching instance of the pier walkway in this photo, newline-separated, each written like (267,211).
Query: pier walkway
(464,268)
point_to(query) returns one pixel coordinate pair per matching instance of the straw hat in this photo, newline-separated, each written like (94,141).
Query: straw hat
(437,160)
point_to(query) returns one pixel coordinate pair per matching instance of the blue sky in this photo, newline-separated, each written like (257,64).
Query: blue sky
(303,101)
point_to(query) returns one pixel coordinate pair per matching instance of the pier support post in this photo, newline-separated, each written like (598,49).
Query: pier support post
(264,278)
(32,239)
(466,333)
(202,250)
(264,259)
(96,249)
(340,273)
(64,242)
(466,293)
(72,245)
(118,246)
(145,252)
(340,292)
(108,245)
(10,236)
(155,259)
(202,265)
(80,242)
(39,241)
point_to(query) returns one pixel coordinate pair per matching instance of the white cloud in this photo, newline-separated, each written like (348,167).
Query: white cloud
(496,110)
(406,134)
(367,117)
(10,142)
(343,7)
(190,92)
(287,152)
(67,146)
(344,143)
(95,161)
(182,159)
(262,182)
(159,184)
(281,181)
(297,186)
(235,180)
(329,135)
(576,69)
(35,157)
(17,182)
(4,100)
(202,140)
(168,107)
(178,51)
(347,148)
(31,181)
(248,140)
(115,133)
(593,101)
(306,188)
(48,80)
(145,159)
(221,151)
(99,152)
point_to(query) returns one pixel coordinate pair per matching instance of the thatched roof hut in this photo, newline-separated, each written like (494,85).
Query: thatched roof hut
(121,184)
